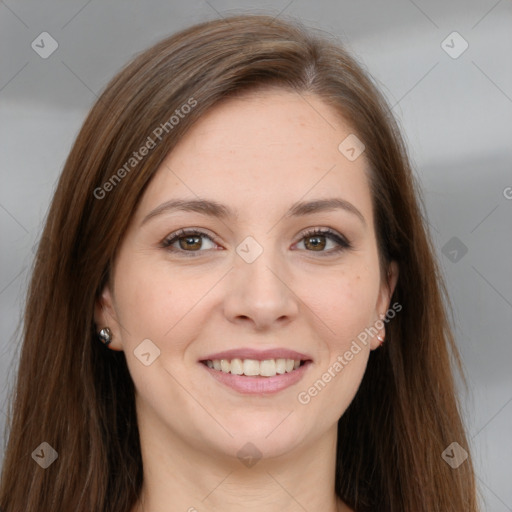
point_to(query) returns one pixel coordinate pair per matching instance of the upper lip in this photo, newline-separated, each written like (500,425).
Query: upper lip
(258,355)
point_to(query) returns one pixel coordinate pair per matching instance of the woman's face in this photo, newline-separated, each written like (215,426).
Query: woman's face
(254,279)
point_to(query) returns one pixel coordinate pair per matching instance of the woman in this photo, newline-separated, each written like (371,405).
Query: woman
(235,303)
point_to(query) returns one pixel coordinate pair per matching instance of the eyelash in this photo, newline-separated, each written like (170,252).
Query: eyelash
(343,243)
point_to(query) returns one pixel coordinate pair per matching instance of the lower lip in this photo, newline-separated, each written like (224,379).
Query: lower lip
(257,384)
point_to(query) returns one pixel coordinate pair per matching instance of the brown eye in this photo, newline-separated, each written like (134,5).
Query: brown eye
(317,240)
(189,242)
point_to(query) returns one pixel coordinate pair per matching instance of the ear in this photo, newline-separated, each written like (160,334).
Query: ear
(387,287)
(105,316)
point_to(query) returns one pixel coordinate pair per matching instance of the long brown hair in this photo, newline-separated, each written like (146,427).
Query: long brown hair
(78,396)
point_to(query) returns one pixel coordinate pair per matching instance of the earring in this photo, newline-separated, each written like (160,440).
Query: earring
(105,335)
(381,339)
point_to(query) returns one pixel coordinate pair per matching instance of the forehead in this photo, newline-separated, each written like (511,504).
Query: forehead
(263,150)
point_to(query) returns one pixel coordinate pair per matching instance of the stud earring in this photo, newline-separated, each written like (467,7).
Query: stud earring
(105,336)
(381,339)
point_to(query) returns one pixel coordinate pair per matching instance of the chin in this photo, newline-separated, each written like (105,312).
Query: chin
(270,437)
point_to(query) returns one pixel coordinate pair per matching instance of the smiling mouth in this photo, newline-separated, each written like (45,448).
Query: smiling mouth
(255,368)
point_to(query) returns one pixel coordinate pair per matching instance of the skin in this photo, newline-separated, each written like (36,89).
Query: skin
(257,154)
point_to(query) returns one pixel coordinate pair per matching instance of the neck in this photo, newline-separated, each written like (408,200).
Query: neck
(183,477)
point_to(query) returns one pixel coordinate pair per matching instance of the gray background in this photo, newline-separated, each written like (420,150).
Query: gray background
(456,114)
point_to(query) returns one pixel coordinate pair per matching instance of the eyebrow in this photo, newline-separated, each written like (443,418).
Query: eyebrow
(218,210)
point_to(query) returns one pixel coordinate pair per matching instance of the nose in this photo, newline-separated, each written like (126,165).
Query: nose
(261,293)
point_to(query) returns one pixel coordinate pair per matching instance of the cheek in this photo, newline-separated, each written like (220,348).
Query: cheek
(345,303)
(346,306)
(158,303)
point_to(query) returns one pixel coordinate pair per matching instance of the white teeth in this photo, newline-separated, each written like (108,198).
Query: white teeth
(268,367)
(236,367)
(253,367)
(281,366)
